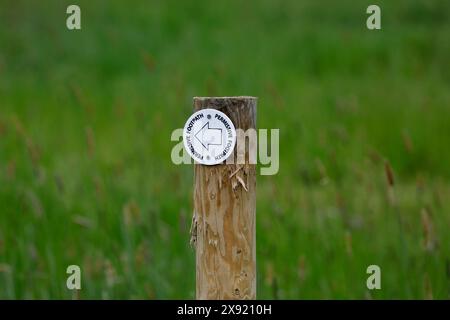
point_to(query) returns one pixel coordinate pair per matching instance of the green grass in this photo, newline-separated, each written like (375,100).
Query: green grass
(86,118)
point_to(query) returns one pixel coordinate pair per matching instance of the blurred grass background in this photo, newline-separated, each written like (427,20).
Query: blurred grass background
(85,123)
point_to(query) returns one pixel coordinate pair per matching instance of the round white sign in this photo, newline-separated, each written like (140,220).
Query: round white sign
(209,136)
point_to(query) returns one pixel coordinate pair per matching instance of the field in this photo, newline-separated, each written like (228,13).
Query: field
(86,116)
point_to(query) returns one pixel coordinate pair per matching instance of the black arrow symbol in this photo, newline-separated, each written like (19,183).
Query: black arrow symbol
(209,136)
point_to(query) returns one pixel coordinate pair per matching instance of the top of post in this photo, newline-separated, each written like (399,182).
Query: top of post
(240,109)
(227,98)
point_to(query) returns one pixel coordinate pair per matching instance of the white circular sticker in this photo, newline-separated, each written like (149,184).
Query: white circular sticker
(209,136)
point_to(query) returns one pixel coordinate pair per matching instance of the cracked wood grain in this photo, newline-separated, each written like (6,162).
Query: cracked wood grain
(223,227)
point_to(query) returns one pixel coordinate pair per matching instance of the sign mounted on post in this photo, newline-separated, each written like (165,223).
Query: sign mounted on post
(209,136)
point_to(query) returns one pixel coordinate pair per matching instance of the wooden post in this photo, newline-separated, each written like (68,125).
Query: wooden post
(223,227)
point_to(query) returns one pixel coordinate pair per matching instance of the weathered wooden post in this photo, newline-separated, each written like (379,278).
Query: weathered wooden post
(223,229)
